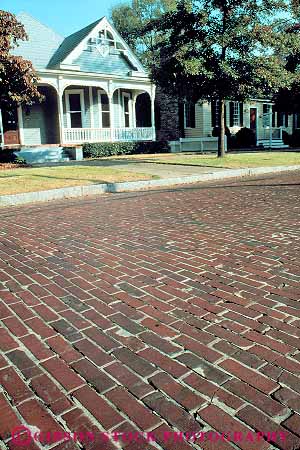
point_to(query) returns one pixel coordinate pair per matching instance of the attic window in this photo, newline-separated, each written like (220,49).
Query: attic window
(104,38)
(105,35)
(120,46)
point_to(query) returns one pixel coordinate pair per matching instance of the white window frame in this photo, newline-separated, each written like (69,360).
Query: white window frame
(236,119)
(100,92)
(126,94)
(82,105)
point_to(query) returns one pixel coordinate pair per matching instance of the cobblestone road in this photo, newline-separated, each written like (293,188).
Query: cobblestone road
(161,311)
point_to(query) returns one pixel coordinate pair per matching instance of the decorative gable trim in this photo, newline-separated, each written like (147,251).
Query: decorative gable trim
(104,24)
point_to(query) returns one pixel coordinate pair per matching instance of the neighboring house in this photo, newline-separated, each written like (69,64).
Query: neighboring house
(95,89)
(195,122)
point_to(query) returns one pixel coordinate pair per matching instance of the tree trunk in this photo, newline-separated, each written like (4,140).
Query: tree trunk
(1,132)
(221,146)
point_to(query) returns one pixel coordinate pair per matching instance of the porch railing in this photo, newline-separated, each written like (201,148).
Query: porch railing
(81,135)
(266,132)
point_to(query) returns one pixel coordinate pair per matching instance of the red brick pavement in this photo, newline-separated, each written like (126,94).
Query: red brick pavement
(162,311)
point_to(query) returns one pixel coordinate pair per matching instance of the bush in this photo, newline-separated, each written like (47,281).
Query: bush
(217,131)
(286,138)
(7,156)
(20,161)
(245,138)
(102,149)
(295,138)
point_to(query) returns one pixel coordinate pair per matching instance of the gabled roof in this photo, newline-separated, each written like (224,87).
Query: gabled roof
(46,49)
(38,34)
(71,42)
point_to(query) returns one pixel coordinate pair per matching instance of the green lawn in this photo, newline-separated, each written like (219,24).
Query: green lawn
(15,181)
(231,161)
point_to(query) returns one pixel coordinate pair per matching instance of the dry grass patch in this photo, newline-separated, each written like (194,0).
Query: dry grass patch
(35,179)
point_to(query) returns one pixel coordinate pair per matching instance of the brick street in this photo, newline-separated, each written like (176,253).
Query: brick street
(158,311)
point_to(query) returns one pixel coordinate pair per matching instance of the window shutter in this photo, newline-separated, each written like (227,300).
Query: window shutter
(231,121)
(181,118)
(213,114)
(241,114)
(193,115)
(286,119)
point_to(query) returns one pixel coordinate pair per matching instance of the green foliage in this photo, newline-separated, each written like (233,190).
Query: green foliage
(224,49)
(8,156)
(18,79)
(295,139)
(130,20)
(286,138)
(20,161)
(104,149)
(217,131)
(245,138)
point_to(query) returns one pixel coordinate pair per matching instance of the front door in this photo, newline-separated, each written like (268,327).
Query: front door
(253,119)
(10,127)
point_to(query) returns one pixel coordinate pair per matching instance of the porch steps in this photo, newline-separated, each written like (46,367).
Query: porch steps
(276,143)
(40,155)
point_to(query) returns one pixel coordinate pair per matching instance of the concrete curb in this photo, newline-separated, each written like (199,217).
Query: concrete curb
(81,191)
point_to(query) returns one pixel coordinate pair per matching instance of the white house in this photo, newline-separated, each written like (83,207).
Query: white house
(95,89)
(259,115)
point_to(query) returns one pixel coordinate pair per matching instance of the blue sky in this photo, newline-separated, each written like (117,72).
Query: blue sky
(64,16)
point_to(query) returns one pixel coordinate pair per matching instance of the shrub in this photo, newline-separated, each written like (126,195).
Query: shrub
(286,137)
(7,156)
(102,149)
(295,138)
(245,138)
(217,131)
(19,160)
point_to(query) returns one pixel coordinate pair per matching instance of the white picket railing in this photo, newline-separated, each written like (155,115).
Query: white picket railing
(265,133)
(81,135)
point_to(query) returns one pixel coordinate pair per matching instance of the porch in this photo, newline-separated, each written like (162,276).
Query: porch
(79,114)
(81,135)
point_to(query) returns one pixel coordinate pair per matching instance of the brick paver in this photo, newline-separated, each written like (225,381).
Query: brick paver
(157,312)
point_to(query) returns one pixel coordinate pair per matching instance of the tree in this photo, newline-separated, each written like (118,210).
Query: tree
(18,79)
(223,49)
(131,18)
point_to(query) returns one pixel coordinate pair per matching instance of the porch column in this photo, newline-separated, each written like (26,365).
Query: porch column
(91,101)
(21,125)
(112,116)
(134,97)
(61,117)
(153,112)
(270,124)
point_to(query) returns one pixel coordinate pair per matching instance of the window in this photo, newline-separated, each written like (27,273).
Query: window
(236,114)
(190,115)
(280,119)
(104,110)
(74,108)
(105,35)
(126,110)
